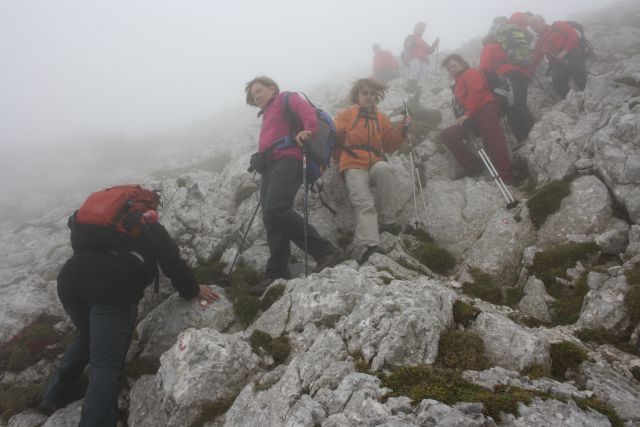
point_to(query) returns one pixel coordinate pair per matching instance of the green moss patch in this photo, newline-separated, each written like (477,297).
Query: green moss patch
(272,295)
(565,355)
(546,200)
(464,314)
(529,322)
(279,347)
(419,233)
(213,410)
(482,287)
(462,350)
(601,335)
(632,298)
(34,342)
(602,407)
(447,386)
(210,272)
(14,400)
(535,371)
(513,296)
(139,366)
(436,258)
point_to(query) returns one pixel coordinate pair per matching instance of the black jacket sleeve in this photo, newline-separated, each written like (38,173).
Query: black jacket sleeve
(174,267)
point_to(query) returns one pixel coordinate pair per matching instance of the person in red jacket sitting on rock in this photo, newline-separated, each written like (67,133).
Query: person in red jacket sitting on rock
(560,43)
(476,113)
(385,66)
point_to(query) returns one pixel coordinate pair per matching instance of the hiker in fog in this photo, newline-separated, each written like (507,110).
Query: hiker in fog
(560,43)
(279,160)
(416,55)
(364,135)
(99,287)
(385,66)
(507,53)
(477,114)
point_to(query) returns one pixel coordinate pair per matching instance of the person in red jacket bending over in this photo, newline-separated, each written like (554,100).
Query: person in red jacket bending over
(476,114)
(417,53)
(560,43)
(385,66)
(494,59)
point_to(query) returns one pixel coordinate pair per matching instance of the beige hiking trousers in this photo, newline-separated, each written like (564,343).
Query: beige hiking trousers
(359,182)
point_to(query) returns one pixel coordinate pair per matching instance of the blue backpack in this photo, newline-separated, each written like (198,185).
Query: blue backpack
(321,147)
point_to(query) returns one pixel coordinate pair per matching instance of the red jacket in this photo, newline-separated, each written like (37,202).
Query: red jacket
(420,49)
(554,39)
(471,91)
(493,59)
(384,60)
(275,126)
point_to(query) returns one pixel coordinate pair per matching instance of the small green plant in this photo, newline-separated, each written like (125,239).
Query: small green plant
(565,355)
(482,287)
(139,366)
(436,258)
(535,371)
(38,340)
(554,261)
(419,233)
(245,306)
(279,348)
(513,296)
(272,295)
(601,335)
(213,410)
(530,322)
(210,272)
(464,314)
(462,350)
(14,400)
(635,371)
(360,362)
(602,407)
(565,310)
(546,200)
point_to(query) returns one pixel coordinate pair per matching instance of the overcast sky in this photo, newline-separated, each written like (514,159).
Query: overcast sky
(133,66)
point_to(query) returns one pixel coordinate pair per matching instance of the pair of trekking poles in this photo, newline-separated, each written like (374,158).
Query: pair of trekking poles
(305,154)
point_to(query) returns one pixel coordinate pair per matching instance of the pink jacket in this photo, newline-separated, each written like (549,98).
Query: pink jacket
(275,126)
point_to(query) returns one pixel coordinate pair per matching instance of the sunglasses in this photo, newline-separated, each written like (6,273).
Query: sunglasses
(367,93)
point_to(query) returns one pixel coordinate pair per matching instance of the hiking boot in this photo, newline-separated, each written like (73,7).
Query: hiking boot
(370,250)
(328,260)
(47,407)
(392,228)
(262,285)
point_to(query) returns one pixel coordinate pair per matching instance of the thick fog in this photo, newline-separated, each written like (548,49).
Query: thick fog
(74,67)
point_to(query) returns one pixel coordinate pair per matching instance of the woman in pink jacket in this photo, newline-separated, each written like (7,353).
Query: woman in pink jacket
(280,164)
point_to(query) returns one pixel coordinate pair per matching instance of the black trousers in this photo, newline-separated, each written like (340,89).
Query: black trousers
(571,68)
(519,117)
(280,183)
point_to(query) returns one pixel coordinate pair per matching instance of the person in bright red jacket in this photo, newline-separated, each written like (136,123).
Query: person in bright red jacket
(416,53)
(476,113)
(493,59)
(385,66)
(280,154)
(560,43)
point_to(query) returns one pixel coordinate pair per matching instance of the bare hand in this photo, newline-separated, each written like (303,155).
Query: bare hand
(207,294)
(303,136)
(460,120)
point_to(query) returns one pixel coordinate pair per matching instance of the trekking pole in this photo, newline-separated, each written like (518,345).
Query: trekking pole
(244,235)
(511,202)
(437,68)
(305,207)
(412,156)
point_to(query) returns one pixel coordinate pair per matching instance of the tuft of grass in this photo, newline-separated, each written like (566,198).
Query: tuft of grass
(464,314)
(602,407)
(213,410)
(632,298)
(635,371)
(419,233)
(447,386)
(14,400)
(272,295)
(546,200)
(565,355)
(245,306)
(140,366)
(554,261)
(359,362)
(181,182)
(601,335)
(513,296)
(279,348)
(36,341)
(210,272)
(436,258)
(530,322)
(535,371)
(482,287)
(566,309)
(462,350)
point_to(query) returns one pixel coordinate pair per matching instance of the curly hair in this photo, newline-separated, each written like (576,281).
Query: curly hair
(377,88)
(264,81)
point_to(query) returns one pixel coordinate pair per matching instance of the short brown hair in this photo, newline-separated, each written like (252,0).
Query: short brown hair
(378,88)
(455,57)
(264,81)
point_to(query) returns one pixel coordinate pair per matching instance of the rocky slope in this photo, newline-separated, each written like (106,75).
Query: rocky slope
(536,321)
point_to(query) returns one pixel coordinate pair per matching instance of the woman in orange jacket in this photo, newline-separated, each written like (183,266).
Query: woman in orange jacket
(364,135)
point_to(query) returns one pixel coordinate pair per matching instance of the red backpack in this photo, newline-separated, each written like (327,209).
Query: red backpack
(109,219)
